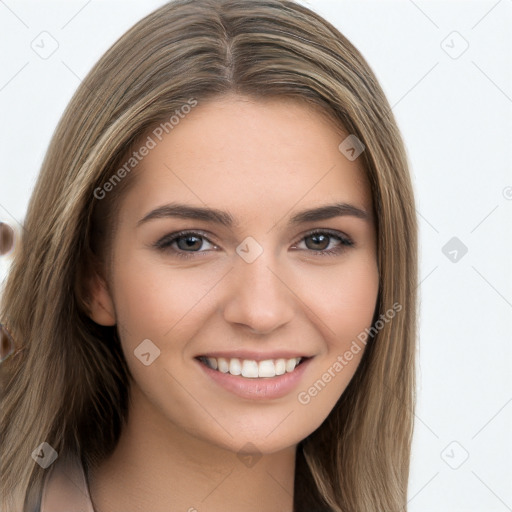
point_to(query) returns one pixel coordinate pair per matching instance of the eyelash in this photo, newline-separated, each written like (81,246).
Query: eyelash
(164,244)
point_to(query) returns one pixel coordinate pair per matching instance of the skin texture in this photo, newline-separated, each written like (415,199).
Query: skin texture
(262,161)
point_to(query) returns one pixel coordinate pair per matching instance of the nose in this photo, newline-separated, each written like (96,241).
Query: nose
(259,296)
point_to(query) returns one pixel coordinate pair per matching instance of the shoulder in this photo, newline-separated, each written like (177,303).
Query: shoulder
(65,488)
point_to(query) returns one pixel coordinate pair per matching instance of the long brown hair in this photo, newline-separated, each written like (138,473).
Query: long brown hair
(67,382)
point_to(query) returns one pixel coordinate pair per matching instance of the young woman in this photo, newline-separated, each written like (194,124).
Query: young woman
(214,301)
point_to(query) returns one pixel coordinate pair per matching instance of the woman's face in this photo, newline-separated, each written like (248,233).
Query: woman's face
(248,287)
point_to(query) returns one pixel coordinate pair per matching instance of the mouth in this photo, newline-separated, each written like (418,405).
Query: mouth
(255,376)
(251,368)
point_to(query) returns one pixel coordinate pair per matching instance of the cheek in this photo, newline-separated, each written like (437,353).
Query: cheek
(346,310)
(344,299)
(153,300)
(356,299)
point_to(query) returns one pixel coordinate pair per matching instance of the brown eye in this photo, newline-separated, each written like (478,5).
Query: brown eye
(184,243)
(319,241)
(190,242)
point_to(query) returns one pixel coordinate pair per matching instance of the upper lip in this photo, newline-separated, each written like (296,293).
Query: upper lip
(254,355)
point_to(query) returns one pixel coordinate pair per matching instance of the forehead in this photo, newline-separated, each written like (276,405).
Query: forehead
(250,156)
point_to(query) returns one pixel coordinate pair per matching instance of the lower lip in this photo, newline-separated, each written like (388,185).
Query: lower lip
(263,388)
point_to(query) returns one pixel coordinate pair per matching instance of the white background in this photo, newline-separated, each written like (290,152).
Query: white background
(455,114)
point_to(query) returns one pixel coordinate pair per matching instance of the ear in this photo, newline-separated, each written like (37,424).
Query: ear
(100,303)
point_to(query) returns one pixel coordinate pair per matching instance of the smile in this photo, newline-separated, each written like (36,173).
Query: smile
(255,376)
(250,368)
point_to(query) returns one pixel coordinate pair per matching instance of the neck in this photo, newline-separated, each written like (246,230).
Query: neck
(160,467)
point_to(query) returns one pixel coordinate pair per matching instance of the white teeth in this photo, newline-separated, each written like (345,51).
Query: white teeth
(280,366)
(291,364)
(212,362)
(266,368)
(235,367)
(222,365)
(252,369)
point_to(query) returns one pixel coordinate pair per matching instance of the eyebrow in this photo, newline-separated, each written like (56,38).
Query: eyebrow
(223,218)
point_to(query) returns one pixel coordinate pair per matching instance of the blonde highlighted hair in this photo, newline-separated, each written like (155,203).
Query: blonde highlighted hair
(67,381)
